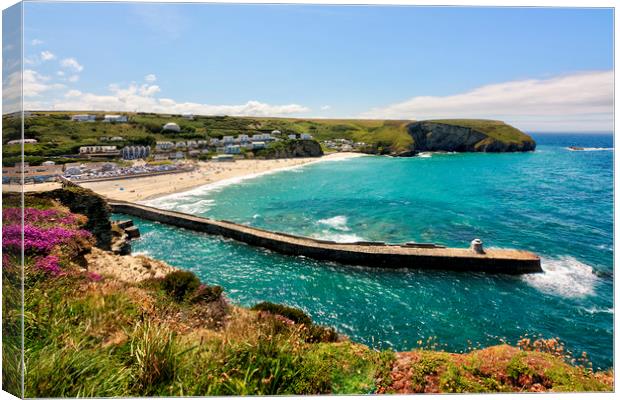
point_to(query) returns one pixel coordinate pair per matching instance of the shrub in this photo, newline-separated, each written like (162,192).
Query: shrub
(206,294)
(321,334)
(180,284)
(294,314)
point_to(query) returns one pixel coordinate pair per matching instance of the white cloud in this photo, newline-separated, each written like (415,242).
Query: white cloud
(36,42)
(35,84)
(576,102)
(60,73)
(142,98)
(150,78)
(47,55)
(148,90)
(71,63)
(73,78)
(73,93)
(326,107)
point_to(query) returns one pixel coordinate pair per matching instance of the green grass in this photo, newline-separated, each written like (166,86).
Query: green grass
(495,129)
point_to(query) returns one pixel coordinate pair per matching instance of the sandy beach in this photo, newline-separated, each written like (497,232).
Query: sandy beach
(146,188)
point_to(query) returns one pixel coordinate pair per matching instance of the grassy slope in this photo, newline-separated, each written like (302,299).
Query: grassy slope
(495,129)
(87,336)
(57,135)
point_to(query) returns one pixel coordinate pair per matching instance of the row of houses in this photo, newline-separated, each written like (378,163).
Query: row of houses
(135,152)
(93,118)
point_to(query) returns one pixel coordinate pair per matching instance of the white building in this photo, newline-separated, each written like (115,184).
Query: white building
(171,127)
(228,139)
(258,145)
(24,141)
(180,145)
(192,144)
(97,149)
(83,118)
(189,116)
(305,136)
(214,142)
(116,139)
(243,138)
(164,146)
(292,136)
(275,132)
(115,118)
(48,163)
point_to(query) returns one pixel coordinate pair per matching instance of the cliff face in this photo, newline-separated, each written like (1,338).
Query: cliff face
(435,136)
(292,148)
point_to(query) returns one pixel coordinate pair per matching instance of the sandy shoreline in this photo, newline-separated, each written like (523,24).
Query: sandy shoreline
(148,188)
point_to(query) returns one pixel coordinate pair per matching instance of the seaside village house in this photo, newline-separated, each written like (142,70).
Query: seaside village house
(20,141)
(99,151)
(32,174)
(83,118)
(305,136)
(292,136)
(115,118)
(135,152)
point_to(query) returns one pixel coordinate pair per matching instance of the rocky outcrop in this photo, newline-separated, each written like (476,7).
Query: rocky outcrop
(434,136)
(125,267)
(88,203)
(292,149)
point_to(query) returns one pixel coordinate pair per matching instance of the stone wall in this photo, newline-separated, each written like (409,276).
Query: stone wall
(373,255)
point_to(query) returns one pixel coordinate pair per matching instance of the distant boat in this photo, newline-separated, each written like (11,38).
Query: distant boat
(576,148)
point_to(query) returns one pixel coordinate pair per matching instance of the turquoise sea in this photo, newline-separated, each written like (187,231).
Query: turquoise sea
(555,202)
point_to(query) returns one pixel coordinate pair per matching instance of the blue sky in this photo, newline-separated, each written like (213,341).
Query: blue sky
(542,69)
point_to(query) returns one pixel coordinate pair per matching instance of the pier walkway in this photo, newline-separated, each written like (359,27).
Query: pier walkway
(373,254)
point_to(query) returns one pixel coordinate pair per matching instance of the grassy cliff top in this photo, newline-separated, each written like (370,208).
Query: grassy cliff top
(495,129)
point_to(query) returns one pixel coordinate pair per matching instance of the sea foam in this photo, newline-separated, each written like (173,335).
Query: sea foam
(339,222)
(565,276)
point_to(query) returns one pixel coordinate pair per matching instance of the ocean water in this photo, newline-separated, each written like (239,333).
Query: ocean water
(555,202)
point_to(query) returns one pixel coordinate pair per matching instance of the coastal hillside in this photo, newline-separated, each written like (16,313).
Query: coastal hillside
(59,137)
(100,324)
(468,135)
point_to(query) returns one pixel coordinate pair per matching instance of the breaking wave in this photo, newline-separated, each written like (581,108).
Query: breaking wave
(565,276)
(339,222)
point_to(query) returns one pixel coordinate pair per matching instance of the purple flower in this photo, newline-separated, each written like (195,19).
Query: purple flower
(94,276)
(49,264)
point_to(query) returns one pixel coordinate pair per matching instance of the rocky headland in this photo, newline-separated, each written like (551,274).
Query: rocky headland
(467,136)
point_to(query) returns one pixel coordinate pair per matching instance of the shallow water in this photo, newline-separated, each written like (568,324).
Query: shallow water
(556,202)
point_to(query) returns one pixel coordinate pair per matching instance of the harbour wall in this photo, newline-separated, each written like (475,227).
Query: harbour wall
(370,254)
